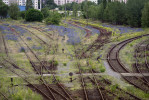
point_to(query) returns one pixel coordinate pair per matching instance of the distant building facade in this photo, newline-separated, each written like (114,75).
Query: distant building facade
(6,2)
(21,2)
(120,0)
(62,2)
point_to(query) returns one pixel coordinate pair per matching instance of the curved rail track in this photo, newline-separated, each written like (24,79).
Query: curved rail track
(115,63)
(146,55)
(141,68)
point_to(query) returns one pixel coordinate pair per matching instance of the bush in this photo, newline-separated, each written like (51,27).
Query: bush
(45,12)
(102,69)
(33,15)
(22,14)
(65,64)
(53,19)
(55,63)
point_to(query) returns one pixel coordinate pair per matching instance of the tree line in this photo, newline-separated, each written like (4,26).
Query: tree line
(134,12)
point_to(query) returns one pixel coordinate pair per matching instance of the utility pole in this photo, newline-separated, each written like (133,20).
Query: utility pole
(86,12)
(40,4)
(65,10)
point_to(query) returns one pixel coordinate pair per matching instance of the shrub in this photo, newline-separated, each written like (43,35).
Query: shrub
(45,12)
(102,69)
(53,19)
(55,63)
(33,15)
(65,64)
(22,14)
(114,87)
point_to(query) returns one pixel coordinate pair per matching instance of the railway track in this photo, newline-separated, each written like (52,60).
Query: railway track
(102,39)
(15,66)
(142,68)
(146,55)
(42,65)
(4,96)
(5,47)
(84,84)
(37,37)
(115,63)
(107,82)
(99,87)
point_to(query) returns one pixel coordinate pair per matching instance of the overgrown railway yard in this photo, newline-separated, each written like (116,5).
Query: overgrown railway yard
(73,61)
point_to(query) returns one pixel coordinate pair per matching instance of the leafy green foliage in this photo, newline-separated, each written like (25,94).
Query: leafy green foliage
(115,12)
(134,8)
(104,3)
(93,12)
(114,87)
(22,14)
(84,7)
(3,9)
(145,15)
(29,4)
(53,19)
(100,1)
(55,63)
(50,4)
(14,11)
(45,12)
(65,64)
(69,6)
(102,69)
(33,15)
(75,9)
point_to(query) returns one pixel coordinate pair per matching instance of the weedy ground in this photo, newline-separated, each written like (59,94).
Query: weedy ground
(46,53)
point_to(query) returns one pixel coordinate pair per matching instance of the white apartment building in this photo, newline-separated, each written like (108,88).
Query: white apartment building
(120,0)
(6,2)
(21,2)
(95,1)
(62,2)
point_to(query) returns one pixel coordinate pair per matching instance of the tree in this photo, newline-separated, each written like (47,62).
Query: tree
(29,4)
(84,7)
(134,8)
(93,12)
(75,10)
(145,15)
(50,4)
(22,14)
(104,3)
(14,11)
(33,15)
(100,1)
(101,12)
(45,12)
(3,9)
(115,12)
